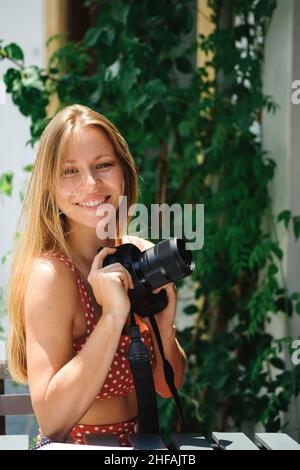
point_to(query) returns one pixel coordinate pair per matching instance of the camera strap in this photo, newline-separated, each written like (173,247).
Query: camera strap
(139,359)
(169,374)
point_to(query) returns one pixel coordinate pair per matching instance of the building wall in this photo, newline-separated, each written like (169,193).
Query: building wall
(23,23)
(281,137)
(276,127)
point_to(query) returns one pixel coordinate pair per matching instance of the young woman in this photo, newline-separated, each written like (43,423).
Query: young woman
(68,314)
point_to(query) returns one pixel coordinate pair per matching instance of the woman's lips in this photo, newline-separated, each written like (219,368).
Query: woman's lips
(93,205)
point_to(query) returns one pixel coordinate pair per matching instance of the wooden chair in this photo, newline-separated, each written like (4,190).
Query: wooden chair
(11,404)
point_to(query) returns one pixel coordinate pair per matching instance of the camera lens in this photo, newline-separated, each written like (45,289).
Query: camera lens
(165,262)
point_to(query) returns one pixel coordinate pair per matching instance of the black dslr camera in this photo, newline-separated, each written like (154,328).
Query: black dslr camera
(165,262)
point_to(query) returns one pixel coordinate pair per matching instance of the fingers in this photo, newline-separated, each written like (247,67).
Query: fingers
(114,267)
(170,285)
(99,258)
(125,280)
(117,267)
(156,291)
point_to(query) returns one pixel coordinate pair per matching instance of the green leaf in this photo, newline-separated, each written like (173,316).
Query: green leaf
(285,217)
(277,362)
(12,78)
(91,37)
(128,78)
(220,381)
(6,183)
(277,251)
(199,291)
(28,168)
(296,227)
(272,270)
(121,13)
(286,340)
(284,304)
(295,296)
(184,128)
(183,64)
(59,36)
(190,309)
(14,51)
(104,34)
(3,54)
(156,89)
(107,34)
(298,308)
(5,257)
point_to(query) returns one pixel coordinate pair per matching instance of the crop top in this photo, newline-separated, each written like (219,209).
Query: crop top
(119,380)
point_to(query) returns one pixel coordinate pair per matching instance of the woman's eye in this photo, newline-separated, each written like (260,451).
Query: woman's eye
(70,171)
(74,171)
(103,165)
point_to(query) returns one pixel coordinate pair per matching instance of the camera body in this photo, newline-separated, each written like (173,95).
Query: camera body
(165,262)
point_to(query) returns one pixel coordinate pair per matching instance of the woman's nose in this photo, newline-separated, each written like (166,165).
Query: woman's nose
(89,178)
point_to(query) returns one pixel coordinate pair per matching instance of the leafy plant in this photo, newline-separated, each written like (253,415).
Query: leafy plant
(6,180)
(195,135)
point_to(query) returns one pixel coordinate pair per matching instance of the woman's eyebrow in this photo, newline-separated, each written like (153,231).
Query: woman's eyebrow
(94,159)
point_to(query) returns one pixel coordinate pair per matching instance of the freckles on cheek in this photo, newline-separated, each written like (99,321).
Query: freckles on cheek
(59,194)
(62,197)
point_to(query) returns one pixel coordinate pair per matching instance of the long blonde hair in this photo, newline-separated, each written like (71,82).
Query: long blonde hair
(44,227)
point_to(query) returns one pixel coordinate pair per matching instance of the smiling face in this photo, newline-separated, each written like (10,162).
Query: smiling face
(91,174)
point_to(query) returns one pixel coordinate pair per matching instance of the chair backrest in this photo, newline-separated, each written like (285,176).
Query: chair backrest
(11,404)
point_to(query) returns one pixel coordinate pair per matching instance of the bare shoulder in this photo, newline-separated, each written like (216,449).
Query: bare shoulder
(50,283)
(141,243)
(49,272)
(50,264)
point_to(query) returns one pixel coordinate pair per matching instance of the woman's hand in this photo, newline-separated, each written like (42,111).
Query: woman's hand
(110,285)
(165,318)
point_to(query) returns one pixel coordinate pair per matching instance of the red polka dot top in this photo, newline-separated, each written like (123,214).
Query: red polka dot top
(119,380)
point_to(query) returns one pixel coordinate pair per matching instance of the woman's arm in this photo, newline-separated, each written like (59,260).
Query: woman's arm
(63,386)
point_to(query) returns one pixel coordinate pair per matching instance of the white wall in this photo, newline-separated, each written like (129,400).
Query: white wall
(281,137)
(276,128)
(21,22)
(281,132)
(293,273)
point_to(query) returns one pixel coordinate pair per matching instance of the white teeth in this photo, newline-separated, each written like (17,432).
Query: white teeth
(93,203)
